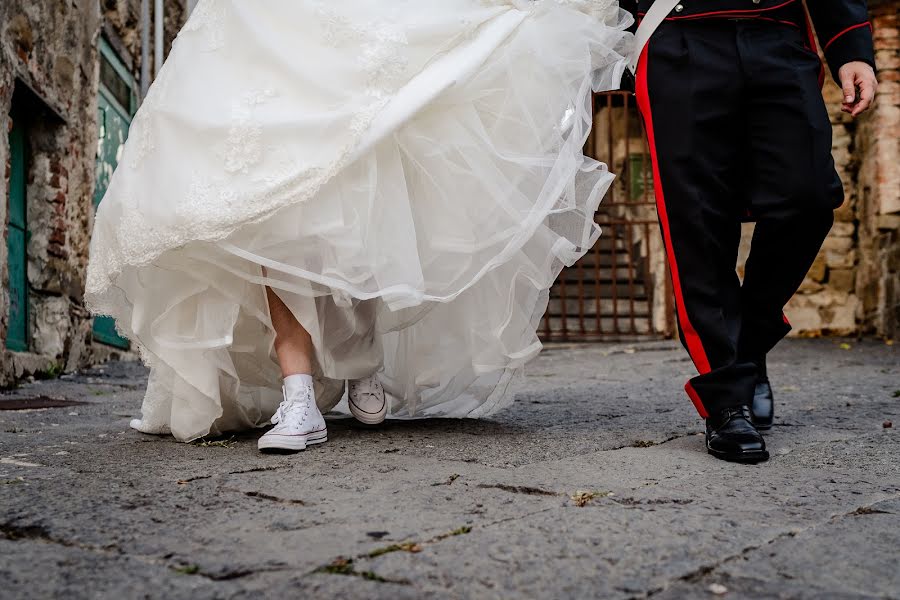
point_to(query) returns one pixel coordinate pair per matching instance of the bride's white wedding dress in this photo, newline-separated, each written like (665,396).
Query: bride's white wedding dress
(407,175)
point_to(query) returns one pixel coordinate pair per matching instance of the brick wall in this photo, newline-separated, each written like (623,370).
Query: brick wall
(49,69)
(878,185)
(853,286)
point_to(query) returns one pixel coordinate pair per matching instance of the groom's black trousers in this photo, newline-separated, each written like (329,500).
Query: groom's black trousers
(737,127)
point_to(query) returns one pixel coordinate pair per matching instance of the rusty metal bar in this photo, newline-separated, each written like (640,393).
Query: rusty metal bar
(626,170)
(598,312)
(645,170)
(648,275)
(670,305)
(631,288)
(609,142)
(615,282)
(580,267)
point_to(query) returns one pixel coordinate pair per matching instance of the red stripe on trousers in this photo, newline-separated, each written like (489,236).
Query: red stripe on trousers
(695,398)
(694,345)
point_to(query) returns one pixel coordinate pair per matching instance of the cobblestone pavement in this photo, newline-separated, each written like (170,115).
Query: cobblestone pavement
(594,484)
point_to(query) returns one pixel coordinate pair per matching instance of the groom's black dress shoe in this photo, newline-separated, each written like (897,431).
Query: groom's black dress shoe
(731,436)
(763,409)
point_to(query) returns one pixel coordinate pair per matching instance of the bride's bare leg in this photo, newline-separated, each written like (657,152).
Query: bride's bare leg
(298,422)
(293,344)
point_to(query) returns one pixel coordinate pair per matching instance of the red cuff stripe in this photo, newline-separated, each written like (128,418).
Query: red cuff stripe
(695,398)
(849,29)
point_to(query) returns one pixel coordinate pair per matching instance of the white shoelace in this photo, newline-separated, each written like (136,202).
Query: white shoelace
(292,405)
(368,386)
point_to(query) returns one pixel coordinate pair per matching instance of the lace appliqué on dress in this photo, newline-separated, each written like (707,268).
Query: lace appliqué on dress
(142,125)
(243,147)
(381,46)
(208,19)
(599,9)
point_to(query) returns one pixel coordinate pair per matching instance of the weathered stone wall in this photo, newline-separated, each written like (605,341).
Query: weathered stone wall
(853,286)
(49,69)
(827,302)
(878,185)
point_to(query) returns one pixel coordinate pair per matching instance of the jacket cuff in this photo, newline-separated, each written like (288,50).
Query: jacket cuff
(852,44)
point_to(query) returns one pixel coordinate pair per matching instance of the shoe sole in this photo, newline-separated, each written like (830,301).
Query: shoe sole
(748,458)
(762,426)
(290,443)
(368,418)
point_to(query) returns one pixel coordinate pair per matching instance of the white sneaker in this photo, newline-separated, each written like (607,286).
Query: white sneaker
(298,423)
(366,399)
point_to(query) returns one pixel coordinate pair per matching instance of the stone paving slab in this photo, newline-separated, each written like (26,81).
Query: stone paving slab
(594,483)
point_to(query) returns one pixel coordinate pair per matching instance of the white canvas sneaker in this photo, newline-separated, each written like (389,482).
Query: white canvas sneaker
(366,399)
(298,423)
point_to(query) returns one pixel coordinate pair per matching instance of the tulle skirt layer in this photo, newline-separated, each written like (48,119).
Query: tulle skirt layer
(413,227)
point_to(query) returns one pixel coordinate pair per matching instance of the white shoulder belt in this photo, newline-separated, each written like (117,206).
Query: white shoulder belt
(654,17)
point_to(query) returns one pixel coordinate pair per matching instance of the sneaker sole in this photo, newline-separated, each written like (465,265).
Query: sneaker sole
(368,418)
(290,443)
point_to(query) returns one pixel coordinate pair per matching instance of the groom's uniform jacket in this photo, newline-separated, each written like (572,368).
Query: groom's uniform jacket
(842,25)
(730,94)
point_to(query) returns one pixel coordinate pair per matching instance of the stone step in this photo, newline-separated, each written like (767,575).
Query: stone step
(603,288)
(606,330)
(621,308)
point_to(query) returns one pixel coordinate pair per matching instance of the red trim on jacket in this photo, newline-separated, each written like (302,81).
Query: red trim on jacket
(781,21)
(729,13)
(811,42)
(849,29)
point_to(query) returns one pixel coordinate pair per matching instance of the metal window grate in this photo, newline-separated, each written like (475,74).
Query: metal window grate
(116,104)
(621,289)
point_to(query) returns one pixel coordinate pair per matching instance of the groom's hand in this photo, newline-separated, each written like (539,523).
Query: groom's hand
(859,84)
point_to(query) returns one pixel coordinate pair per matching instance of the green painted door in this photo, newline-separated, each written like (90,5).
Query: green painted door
(116,105)
(17,239)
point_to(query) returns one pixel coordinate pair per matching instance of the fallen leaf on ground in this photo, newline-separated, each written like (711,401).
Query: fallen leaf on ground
(460,531)
(187,570)
(339,566)
(582,498)
(449,481)
(404,547)
(204,443)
